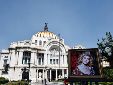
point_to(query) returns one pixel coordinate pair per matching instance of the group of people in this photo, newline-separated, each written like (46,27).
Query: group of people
(84,65)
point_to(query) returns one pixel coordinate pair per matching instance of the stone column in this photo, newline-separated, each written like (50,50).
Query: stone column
(13,58)
(61,60)
(36,75)
(41,60)
(32,57)
(50,74)
(62,73)
(0,72)
(10,55)
(56,75)
(67,72)
(43,75)
(65,59)
(45,59)
(20,57)
(48,58)
(37,62)
(46,73)
(35,58)
(17,57)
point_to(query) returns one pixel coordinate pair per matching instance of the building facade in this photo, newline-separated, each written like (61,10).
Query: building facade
(42,57)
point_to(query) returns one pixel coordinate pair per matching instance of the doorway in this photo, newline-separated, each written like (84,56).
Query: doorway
(53,75)
(25,74)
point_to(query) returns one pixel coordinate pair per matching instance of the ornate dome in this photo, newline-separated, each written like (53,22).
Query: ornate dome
(46,33)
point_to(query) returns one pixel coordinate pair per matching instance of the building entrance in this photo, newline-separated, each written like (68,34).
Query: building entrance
(53,75)
(25,74)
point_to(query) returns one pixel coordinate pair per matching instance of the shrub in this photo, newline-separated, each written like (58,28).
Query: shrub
(18,83)
(108,73)
(3,80)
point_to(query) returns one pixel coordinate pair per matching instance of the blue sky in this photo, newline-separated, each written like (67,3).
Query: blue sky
(77,21)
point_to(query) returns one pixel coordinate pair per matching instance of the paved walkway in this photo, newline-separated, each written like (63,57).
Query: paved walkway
(48,83)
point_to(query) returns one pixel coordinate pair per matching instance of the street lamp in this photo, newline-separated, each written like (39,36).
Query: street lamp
(50,74)
(29,65)
(29,69)
(45,75)
(36,74)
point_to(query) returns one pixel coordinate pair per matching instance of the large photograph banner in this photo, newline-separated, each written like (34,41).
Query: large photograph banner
(84,63)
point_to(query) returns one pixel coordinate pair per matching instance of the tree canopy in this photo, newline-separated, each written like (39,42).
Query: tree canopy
(106,47)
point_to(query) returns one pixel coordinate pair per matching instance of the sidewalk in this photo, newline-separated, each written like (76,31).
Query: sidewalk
(48,83)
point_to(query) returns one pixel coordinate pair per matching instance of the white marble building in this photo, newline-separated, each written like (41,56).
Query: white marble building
(42,57)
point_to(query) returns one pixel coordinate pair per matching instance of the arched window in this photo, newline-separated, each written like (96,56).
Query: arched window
(40,42)
(44,42)
(26,57)
(35,41)
(40,35)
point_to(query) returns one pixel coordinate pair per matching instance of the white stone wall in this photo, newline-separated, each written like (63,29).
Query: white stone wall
(32,75)
(13,58)
(15,74)
(16,54)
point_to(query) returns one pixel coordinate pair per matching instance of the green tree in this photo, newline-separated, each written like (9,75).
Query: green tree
(106,48)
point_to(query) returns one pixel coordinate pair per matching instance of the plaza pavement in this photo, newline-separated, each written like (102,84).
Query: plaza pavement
(48,83)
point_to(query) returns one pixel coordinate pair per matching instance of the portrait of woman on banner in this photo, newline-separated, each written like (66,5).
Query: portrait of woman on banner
(84,65)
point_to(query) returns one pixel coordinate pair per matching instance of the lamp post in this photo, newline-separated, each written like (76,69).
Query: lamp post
(36,72)
(29,65)
(50,74)
(29,70)
(45,76)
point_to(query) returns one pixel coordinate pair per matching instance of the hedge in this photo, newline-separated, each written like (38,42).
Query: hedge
(3,80)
